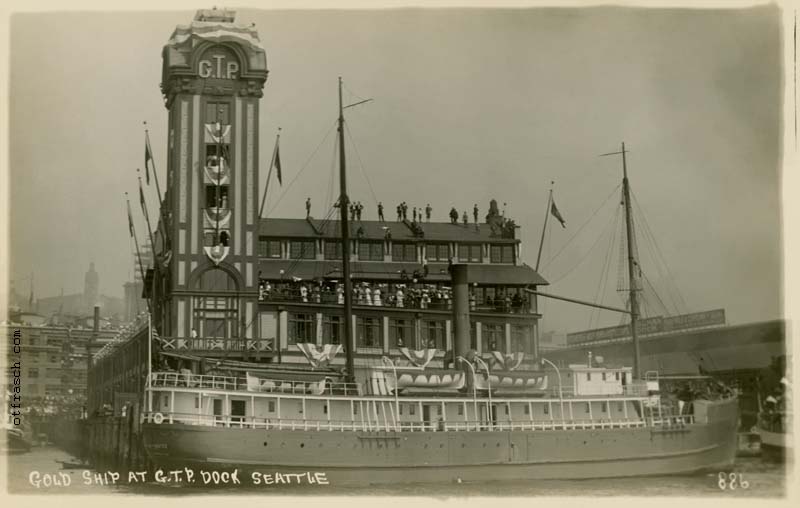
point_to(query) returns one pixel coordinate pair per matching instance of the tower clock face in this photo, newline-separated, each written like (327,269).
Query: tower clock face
(218,62)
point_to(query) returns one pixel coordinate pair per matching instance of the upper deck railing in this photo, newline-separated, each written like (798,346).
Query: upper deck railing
(252,384)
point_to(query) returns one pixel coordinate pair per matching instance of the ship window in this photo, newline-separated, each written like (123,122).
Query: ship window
(501,253)
(368,332)
(269,248)
(401,409)
(302,249)
(616,376)
(355,409)
(166,400)
(300,409)
(325,409)
(460,410)
(588,376)
(412,409)
(519,338)
(404,251)
(619,406)
(604,407)
(271,406)
(216,200)
(370,251)
(470,253)
(302,328)
(588,407)
(437,252)
(333,249)
(527,409)
(493,337)
(433,335)
(401,333)
(332,329)
(604,376)
(547,409)
(506,408)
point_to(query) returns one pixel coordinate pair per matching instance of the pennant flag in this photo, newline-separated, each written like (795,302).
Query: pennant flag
(141,200)
(277,163)
(148,157)
(130,220)
(557,214)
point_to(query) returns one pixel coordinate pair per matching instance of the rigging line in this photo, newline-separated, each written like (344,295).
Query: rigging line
(332,179)
(666,310)
(658,250)
(360,163)
(313,154)
(585,257)
(581,228)
(594,315)
(650,249)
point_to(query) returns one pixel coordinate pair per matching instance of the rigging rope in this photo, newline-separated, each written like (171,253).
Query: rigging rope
(361,165)
(594,314)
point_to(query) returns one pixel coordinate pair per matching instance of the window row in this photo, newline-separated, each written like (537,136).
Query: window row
(374,251)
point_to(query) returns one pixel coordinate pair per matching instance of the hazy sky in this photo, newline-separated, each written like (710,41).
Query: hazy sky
(468,105)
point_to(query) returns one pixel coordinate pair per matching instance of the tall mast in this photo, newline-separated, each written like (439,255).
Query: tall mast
(344,203)
(631,261)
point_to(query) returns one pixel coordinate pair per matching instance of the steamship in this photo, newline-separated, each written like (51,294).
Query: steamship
(373,351)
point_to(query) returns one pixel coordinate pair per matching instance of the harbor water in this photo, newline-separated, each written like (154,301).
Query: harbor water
(42,471)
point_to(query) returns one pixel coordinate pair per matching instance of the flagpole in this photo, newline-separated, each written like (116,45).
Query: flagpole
(146,216)
(544,227)
(136,243)
(149,362)
(269,173)
(149,150)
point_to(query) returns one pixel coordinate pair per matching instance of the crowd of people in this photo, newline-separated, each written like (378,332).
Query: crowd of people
(417,215)
(400,295)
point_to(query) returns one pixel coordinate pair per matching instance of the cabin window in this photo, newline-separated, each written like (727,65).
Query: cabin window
(433,335)
(325,409)
(506,408)
(470,253)
(333,249)
(527,409)
(412,409)
(501,253)
(493,337)
(166,400)
(332,329)
(460,410)
(269,248)
(302,328)
(300,408)
(216,197)
(588,376)
(404,251)
(604,407)
(604,376)
(197,402)
(368,332)
(437,252)
(303,249)
(355,409)
(588,407)
(271,406)
(370,250)
(519,338)
(401,409)
(438,410)
(616,376)
(619,407)
(401,333)
(547,409)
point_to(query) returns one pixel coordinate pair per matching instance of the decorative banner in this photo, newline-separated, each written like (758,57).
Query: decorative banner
(507,362)
(419,358)
(217,253)
(316,357)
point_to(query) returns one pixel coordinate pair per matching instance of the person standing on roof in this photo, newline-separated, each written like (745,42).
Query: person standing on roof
(399,212)
(308,207)
(415,214)
(475,212)
(428,211)
(405,210)
(465,218)
(380,212)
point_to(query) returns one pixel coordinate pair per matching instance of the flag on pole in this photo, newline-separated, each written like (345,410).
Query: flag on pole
(141,200)
(277,163)
(557,214)
(148,157)
(130,220)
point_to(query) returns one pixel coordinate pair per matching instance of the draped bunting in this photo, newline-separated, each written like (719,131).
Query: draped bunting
(418,357)
(213,132)
(507,362)
(319,357)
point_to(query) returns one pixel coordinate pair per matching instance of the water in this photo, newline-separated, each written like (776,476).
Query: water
(763,478)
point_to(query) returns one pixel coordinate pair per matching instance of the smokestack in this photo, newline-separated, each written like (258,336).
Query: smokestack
(458,273)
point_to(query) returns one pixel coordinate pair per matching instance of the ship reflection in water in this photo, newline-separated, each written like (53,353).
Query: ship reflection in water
(762,478)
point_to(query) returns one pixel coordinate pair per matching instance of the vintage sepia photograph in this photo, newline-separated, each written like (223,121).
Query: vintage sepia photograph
(435,249)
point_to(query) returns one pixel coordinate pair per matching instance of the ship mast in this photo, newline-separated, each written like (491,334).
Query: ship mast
(343,207)
(631,262)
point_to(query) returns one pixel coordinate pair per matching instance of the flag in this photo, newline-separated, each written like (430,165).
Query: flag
(130,220)
(557,214)
(277,163)
(148,157)
(141,200)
